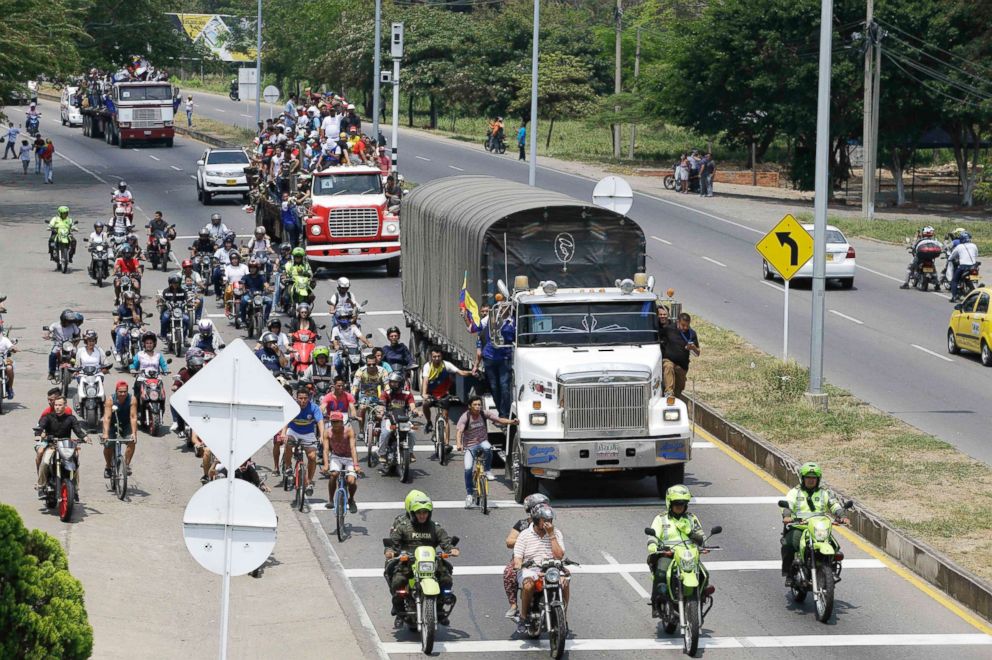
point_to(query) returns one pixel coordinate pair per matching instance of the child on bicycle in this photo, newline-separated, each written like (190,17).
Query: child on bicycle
(473,436)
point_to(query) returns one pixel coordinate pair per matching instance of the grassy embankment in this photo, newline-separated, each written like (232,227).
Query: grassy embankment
(916,482)
(895,231)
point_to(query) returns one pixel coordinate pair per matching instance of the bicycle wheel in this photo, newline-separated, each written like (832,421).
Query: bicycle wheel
(299,479)
(483,493)
(113,476)
(339,506)
(441,432)
(120,486)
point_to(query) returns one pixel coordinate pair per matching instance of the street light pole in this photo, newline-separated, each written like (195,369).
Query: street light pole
(258,67)
(376,75)
(815,394)
(532,172)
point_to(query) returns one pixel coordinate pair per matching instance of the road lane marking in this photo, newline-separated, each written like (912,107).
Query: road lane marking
(875,272)
(92,174)
(573,503)
(244,115)
(773,285)
(422,158)
(845,316)
(897,568)
(675,645)
(689,208)
(219,110)
(154,157)
(383,331)
(192,176)
(661,240)
(456,168)
(178,169)
(134,148)
(640,567)
(714,261)
(627,577)
(928,351)
(388,312)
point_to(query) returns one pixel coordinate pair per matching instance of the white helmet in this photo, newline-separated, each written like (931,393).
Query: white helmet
(119,211)
(344,283)
(205,326)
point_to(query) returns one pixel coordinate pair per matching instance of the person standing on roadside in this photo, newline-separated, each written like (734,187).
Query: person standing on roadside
(522,140)
(706,172)
(677,342)
(38,147)
(12,133)
(47,153)
(25,154)
(189,111)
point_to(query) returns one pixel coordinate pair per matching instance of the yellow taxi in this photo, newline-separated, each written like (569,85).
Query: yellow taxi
(970,327)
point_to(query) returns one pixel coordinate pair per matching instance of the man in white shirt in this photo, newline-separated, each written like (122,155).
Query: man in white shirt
(965,255)
(330,126)
(7,350)
(539,542)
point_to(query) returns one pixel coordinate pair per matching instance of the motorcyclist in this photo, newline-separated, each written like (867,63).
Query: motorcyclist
(66,329)
(396,399)
(255,283)
(671,528)
(282,339)
(964,257)
(346,336)
(270,355)
(127,314)
(367,386)
(120,419)
(342,296)
(205,338)
(284,257)
(260,248)
(55,425)
(395,353)
(120,226)
(61,221)
(805,500)
(157,227)
(204,244)
(217,229)
(233,89)
(407,534)
(222,259)
(147,358)
(299,267)
(303,321)
(90,355)
(320,367)
(122,192)
(7,350)
(98,235)
(509,572)
(925,240)
(174,294)
(127,265)
(538,543)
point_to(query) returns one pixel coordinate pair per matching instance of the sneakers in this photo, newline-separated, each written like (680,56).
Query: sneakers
(788,581)
(429,428)
(413,457)
(490,476)
(511,613)
(433,457)
(107,474)
(352,506)
(443,619)
(51,375)
(904,285)
(175,427)
(469,502)
(309,490)
(204,479)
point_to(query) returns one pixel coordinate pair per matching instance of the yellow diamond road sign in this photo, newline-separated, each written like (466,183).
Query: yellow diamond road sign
(787,247)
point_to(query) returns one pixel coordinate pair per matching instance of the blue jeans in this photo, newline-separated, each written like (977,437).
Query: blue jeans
(956,278)
(189,118)
(292,233)
(120,339)
(498,373)
(218,281)
(47,164)
(266,306)
(470,453)
(165,323)
(51,361)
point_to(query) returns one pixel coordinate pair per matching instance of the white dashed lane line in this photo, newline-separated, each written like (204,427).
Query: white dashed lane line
(154,157)
(178,169)
(714,261)
(661,240)
(422,158)
(456,168)
(845,316)
(875,272)
(929,352)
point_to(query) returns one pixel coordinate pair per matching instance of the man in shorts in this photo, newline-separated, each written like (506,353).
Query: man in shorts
(344,458)
(307,430)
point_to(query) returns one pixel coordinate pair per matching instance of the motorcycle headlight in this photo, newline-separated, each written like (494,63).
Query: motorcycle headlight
(91,392)
(66,450)
(257,300)
(821,531)
(135,333)
(672,415)
(687,562)
(552,576)
(153,395)
(67,347)
(425,567)
(405,426)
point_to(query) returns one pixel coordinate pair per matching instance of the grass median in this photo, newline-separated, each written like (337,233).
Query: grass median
(896,231)
(227,132)
(916,482)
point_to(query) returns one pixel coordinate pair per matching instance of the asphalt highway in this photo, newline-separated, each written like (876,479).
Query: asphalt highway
(885,345)
(880,613)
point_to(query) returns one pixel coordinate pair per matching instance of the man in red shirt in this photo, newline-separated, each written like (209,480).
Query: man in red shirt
(127,264)
(339,399)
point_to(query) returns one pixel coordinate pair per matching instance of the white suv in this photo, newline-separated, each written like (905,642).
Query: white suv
(221,172)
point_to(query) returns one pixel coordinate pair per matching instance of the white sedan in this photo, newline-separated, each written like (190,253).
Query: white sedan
(840,260)
(221,172)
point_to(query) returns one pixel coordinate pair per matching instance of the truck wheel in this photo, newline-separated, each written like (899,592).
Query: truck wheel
(122,142)
(669,476)
(169,142)
(393,267)
(524,483)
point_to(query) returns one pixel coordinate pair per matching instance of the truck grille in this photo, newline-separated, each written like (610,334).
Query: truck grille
(354,223)
(611,410)
(147,114)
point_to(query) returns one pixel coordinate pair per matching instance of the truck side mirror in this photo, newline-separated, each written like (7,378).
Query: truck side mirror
(496,338)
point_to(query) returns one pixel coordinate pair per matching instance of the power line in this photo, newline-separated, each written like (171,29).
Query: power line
(928,86)
(934,46)
(941,77)
(936,59)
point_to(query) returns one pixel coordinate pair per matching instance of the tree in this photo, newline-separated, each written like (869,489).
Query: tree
(42,614)
(118,29)
(562,89)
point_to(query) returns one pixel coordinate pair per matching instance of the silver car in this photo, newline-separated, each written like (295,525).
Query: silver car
(221,172)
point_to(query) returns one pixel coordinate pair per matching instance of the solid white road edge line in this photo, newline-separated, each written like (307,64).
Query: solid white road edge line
(627,577)
(675,645)
(936,355)
(356,602)
(714,261)
(631,502)
(640,567)
(845,316)
(661,240)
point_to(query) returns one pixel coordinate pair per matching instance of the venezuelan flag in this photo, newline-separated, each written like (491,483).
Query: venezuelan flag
(467,304)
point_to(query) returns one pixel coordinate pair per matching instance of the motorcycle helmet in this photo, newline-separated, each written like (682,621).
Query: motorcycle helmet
(174,279)
(396,380)
(127,252)
(417,500)
(194,361)
(235,255)
(149,335)
(129,296)
(390,330)
(98,225)
(343,285)
(321,351)
(964,237)
(122,185)
(302,307)
(542,512)
(810,470)
(63,211)
(259,232)
(90,334)
(676,494)
(285,247)
(269,338)
(204,233)
(187,263)
(205,327)
(299,252)
(275,323)
(927,232)
(253,263)
(534,500)
(215,219)
(66,316)
(957,232)
(344,320)
(76,317)
(133,238)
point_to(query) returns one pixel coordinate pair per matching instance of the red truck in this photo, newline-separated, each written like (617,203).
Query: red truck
(350,222)
(130,113)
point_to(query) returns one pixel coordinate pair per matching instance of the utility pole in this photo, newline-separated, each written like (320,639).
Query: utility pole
(637,73)
(258,67)
(815,395)
(868,127)
(532,168)
(876,38)
(376,74)
(616,82)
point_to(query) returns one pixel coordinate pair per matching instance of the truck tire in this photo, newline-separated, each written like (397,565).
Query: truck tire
(121,142)
(169,142)
(668,476)
(393,267)
(524,483)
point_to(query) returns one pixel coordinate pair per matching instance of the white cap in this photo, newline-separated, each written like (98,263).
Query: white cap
(351,106)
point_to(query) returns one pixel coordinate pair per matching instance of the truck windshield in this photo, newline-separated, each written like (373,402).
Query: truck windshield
(349,184)
(585,324)
(152,93)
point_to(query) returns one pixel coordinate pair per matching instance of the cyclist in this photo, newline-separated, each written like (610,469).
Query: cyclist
(395,398)
(473,436)
(120,420)
(343,458)
(367,386)
(339,399)
(509,572)
(436,380)
(307,429)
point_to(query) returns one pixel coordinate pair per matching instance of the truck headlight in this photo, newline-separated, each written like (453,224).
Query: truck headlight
(391,228)
(538,419)
(315,230)
(672,414)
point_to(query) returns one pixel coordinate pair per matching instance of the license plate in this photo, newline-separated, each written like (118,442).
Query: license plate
(232,182)
(607,448)
(148,132)
(354,250)
(830,257)
(928,269)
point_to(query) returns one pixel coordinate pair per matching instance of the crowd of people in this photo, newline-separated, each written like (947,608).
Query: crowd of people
(694,173)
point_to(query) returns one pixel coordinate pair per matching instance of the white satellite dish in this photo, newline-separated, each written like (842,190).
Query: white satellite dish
(613,193)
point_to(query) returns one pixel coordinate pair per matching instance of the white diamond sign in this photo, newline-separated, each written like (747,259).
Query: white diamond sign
(235,404)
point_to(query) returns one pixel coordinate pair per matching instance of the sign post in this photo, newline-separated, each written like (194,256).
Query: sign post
(786,248)
(235,405)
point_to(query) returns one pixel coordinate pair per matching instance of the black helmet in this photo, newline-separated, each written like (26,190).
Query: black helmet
(204,233)
(391,330)
(174,279)
(149,335)
(215,218)
(274,323)
(127,251)
(66,316)
(77,318)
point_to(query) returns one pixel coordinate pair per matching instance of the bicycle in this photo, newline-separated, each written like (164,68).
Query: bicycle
(296,480)
(373,426)
(341,501)
(480,484)
(118,466)
(442,428)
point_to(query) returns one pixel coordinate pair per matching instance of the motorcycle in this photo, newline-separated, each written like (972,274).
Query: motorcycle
(547,608)
(495,143)
(160,247)
(2,310)
(255,315)
(398,452)
(3,375)
(176,338)
(817,567)
(351,361)
(151,401)
(232,302)
(301,345)
(969,281)
(99,268)
(32,125)
(125,202)
(192,300)
(60,493)
(90,395)
(132,344)
(61,248)
(126,286)
(687,605)
(233,94)
(925,272)
(202,265)
(423,597)
(65,355)
(119,232)
(298,288)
